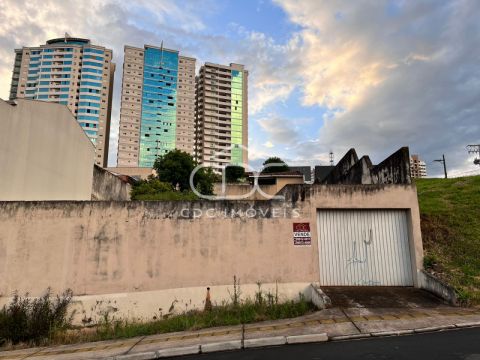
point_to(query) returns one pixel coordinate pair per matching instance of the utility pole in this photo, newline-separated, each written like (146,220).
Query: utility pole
(442,160)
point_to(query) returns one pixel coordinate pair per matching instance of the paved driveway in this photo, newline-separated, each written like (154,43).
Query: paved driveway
(381,297)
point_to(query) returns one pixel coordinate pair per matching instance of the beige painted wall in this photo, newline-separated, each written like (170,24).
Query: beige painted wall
(143,173)
(112,248)
(246,189)
(44,153)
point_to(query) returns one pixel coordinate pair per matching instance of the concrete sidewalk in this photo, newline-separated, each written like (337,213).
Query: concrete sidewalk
(329,324)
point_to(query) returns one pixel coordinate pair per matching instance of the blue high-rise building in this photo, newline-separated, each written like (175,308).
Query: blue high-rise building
(73,72)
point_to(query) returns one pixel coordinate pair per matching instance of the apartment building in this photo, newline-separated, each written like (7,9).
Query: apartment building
(418,168)
(73,72)
(157,112)
(221,134)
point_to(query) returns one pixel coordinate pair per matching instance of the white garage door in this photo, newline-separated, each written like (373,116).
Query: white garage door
(364,248)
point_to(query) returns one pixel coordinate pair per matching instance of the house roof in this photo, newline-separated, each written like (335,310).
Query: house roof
(278,174)
(322,171)
(305,170)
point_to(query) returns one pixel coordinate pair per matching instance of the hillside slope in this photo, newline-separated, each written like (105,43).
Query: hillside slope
(450,218)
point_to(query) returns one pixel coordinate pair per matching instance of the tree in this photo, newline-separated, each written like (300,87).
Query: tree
(204,180)
(234,172)
(175,168)
(149,188)
(281,167)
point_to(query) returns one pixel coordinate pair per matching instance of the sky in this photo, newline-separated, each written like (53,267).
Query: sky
(324,76)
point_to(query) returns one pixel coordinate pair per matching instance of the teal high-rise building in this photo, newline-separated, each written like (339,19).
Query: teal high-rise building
(157,107)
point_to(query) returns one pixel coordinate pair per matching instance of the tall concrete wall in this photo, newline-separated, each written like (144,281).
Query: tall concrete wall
(350,170)
(143,256)
(44,153)
(107,186)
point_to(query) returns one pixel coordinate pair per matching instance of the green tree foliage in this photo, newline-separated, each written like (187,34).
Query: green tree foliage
(175,168)
(204,180)
(173,179)
(274,168)
(146,189)
(233,173)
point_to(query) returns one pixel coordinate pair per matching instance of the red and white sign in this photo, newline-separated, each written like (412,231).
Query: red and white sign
(301,234)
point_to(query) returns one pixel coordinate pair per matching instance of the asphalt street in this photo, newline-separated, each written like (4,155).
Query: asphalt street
(452,344)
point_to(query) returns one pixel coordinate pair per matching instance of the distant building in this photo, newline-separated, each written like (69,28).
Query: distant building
(39,164)
(321,172)
(221,133)
(72,72)
(306,171)
(418,168)
(157,112)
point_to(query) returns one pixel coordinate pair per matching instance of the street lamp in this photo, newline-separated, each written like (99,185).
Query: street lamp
(442,160)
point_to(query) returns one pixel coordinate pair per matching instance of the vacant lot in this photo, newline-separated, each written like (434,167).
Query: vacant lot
(450,213)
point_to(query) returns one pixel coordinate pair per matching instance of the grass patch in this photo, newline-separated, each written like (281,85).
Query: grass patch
(56,328)
(228,314)
(450,220)
(33,320)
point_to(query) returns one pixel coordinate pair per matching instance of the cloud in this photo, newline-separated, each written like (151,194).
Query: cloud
(279,130)
(392,78)
(273,70)
(268,144)
(115,23)
(382,74)
(111,23)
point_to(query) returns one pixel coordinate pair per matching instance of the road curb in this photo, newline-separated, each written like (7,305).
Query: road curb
(434,328)
(179,351)
(276,341)
(138,356)
(310,338)
(221,346)
(468,324)
(350,337)
(260,342)
(392,333)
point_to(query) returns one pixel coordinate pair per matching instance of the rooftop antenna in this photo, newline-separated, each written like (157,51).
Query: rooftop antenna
(331,158)
(474,149)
